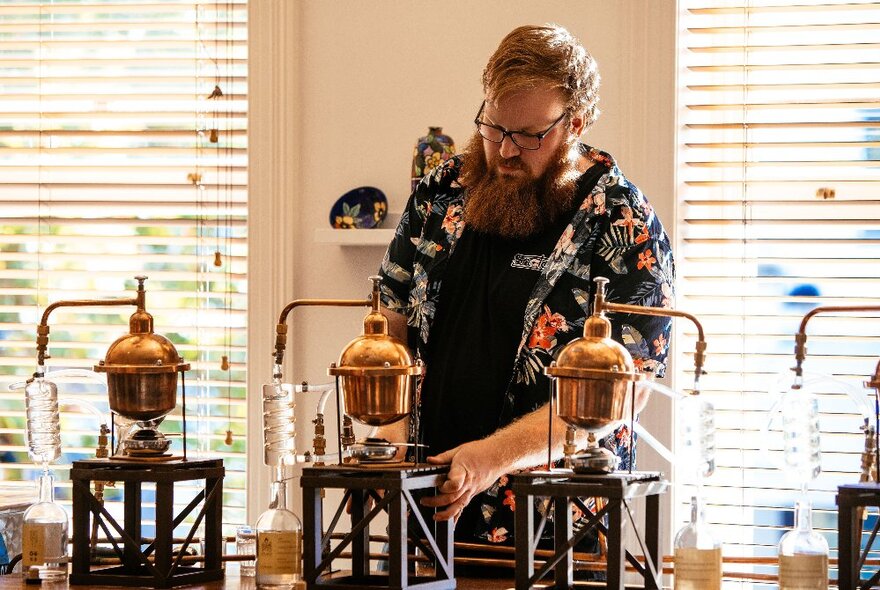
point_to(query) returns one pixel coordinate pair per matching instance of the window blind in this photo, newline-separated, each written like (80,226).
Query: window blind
(779,211)
(109,168)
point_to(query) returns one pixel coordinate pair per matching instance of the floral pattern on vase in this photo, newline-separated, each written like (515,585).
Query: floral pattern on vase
(431,151)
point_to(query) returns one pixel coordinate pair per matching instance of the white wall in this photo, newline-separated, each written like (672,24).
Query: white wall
(340,90)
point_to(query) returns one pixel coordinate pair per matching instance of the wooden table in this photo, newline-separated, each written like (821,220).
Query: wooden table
(233,582)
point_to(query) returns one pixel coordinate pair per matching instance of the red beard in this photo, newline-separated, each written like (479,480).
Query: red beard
(516,208)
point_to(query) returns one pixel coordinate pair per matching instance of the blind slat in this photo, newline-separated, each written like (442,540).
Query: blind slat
(778,106)
(108,172)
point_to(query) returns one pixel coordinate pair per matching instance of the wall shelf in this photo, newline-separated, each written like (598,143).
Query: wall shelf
(354,237)
(360,237)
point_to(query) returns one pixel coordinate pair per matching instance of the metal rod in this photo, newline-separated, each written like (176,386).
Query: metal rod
(183,409)
(550,427)
(338,421)
(632,423)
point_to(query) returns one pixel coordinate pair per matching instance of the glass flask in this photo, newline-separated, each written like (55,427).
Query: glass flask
(697,554)
(803,554)
(279,543)
(44,534)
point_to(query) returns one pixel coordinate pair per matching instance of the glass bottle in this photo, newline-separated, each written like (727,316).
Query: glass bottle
(279,543)
(44,534)
(803,554)
(697,554)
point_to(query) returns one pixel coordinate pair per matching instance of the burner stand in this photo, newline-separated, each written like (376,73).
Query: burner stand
(153,566)
(852,499)
(361,483)
(564,488)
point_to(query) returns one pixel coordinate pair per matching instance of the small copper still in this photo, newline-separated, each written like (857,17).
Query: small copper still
(142,370)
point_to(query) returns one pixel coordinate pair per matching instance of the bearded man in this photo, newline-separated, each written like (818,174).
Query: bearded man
(489,275)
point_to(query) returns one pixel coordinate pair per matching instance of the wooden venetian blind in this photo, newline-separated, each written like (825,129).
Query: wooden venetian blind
(107,171)
(779,211)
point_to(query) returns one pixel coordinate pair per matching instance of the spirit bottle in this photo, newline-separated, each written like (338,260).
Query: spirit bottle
(697,554)
(279,543)
(44,534)
(803,554)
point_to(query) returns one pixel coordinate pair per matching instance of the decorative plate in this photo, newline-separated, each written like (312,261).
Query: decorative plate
(360,208)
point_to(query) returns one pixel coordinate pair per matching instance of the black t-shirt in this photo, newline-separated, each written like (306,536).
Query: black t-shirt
(477,330)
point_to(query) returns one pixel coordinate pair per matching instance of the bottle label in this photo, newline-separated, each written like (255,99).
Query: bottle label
(803,572)
(279,553)
(40,541)
(697,569)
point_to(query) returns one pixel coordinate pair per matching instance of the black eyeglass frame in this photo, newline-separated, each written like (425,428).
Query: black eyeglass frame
(505,133)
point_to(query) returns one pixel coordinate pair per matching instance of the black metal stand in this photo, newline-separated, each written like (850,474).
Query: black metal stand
(361,483)
(155,566)
(850,499)
(563,489)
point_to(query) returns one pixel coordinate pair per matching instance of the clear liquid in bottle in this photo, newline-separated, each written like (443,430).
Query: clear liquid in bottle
(803,554)
(279,544)
(697,554)
(44,534)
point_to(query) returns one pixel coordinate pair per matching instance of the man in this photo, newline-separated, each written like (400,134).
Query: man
(490,269)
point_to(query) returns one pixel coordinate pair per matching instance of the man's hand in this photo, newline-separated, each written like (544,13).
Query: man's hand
(473,469)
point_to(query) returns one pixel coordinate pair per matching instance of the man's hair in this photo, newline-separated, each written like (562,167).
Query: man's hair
(548,57)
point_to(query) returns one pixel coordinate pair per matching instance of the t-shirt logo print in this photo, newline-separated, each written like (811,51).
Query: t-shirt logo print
(529,261)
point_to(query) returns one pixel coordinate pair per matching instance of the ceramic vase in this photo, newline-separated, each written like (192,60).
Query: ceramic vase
(431,151)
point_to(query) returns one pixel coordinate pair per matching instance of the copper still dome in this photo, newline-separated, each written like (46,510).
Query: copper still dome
(593,374)
(142,369)
(376,370)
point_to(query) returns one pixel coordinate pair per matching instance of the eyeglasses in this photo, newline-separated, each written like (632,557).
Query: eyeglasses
(496,134)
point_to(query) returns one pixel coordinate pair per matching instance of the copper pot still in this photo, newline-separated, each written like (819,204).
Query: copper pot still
(593,376)
(142,370)
(376,372)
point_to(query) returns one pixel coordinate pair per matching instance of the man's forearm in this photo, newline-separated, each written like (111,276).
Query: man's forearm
(523,443)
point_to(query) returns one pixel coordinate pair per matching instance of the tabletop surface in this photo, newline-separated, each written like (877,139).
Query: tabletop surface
(233,582)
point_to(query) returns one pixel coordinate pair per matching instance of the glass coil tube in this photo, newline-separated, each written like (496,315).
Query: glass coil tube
(279,434)
(43,424)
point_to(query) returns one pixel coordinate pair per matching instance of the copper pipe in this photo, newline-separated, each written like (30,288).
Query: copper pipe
(600,305)
(800,339)
(281,327)
(43,327)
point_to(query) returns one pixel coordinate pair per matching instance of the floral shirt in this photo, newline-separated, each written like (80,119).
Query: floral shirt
(614,233)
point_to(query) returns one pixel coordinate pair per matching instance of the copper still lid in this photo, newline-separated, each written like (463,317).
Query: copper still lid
(142,368)
(592,377)
(595,355)
(142,350)
(376,370)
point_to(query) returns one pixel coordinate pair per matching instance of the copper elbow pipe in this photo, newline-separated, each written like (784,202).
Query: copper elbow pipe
(800,339)
(601,305)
